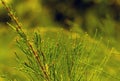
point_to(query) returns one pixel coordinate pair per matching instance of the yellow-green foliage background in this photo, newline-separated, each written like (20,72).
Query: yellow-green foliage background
(34,16)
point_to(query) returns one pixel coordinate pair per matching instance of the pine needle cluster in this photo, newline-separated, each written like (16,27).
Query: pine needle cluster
(59,59)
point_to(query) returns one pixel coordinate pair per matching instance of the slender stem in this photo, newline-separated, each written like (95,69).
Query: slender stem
(19,29)
(39,61)
(10,13)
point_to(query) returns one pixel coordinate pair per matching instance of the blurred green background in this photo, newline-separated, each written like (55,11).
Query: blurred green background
(84,15)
